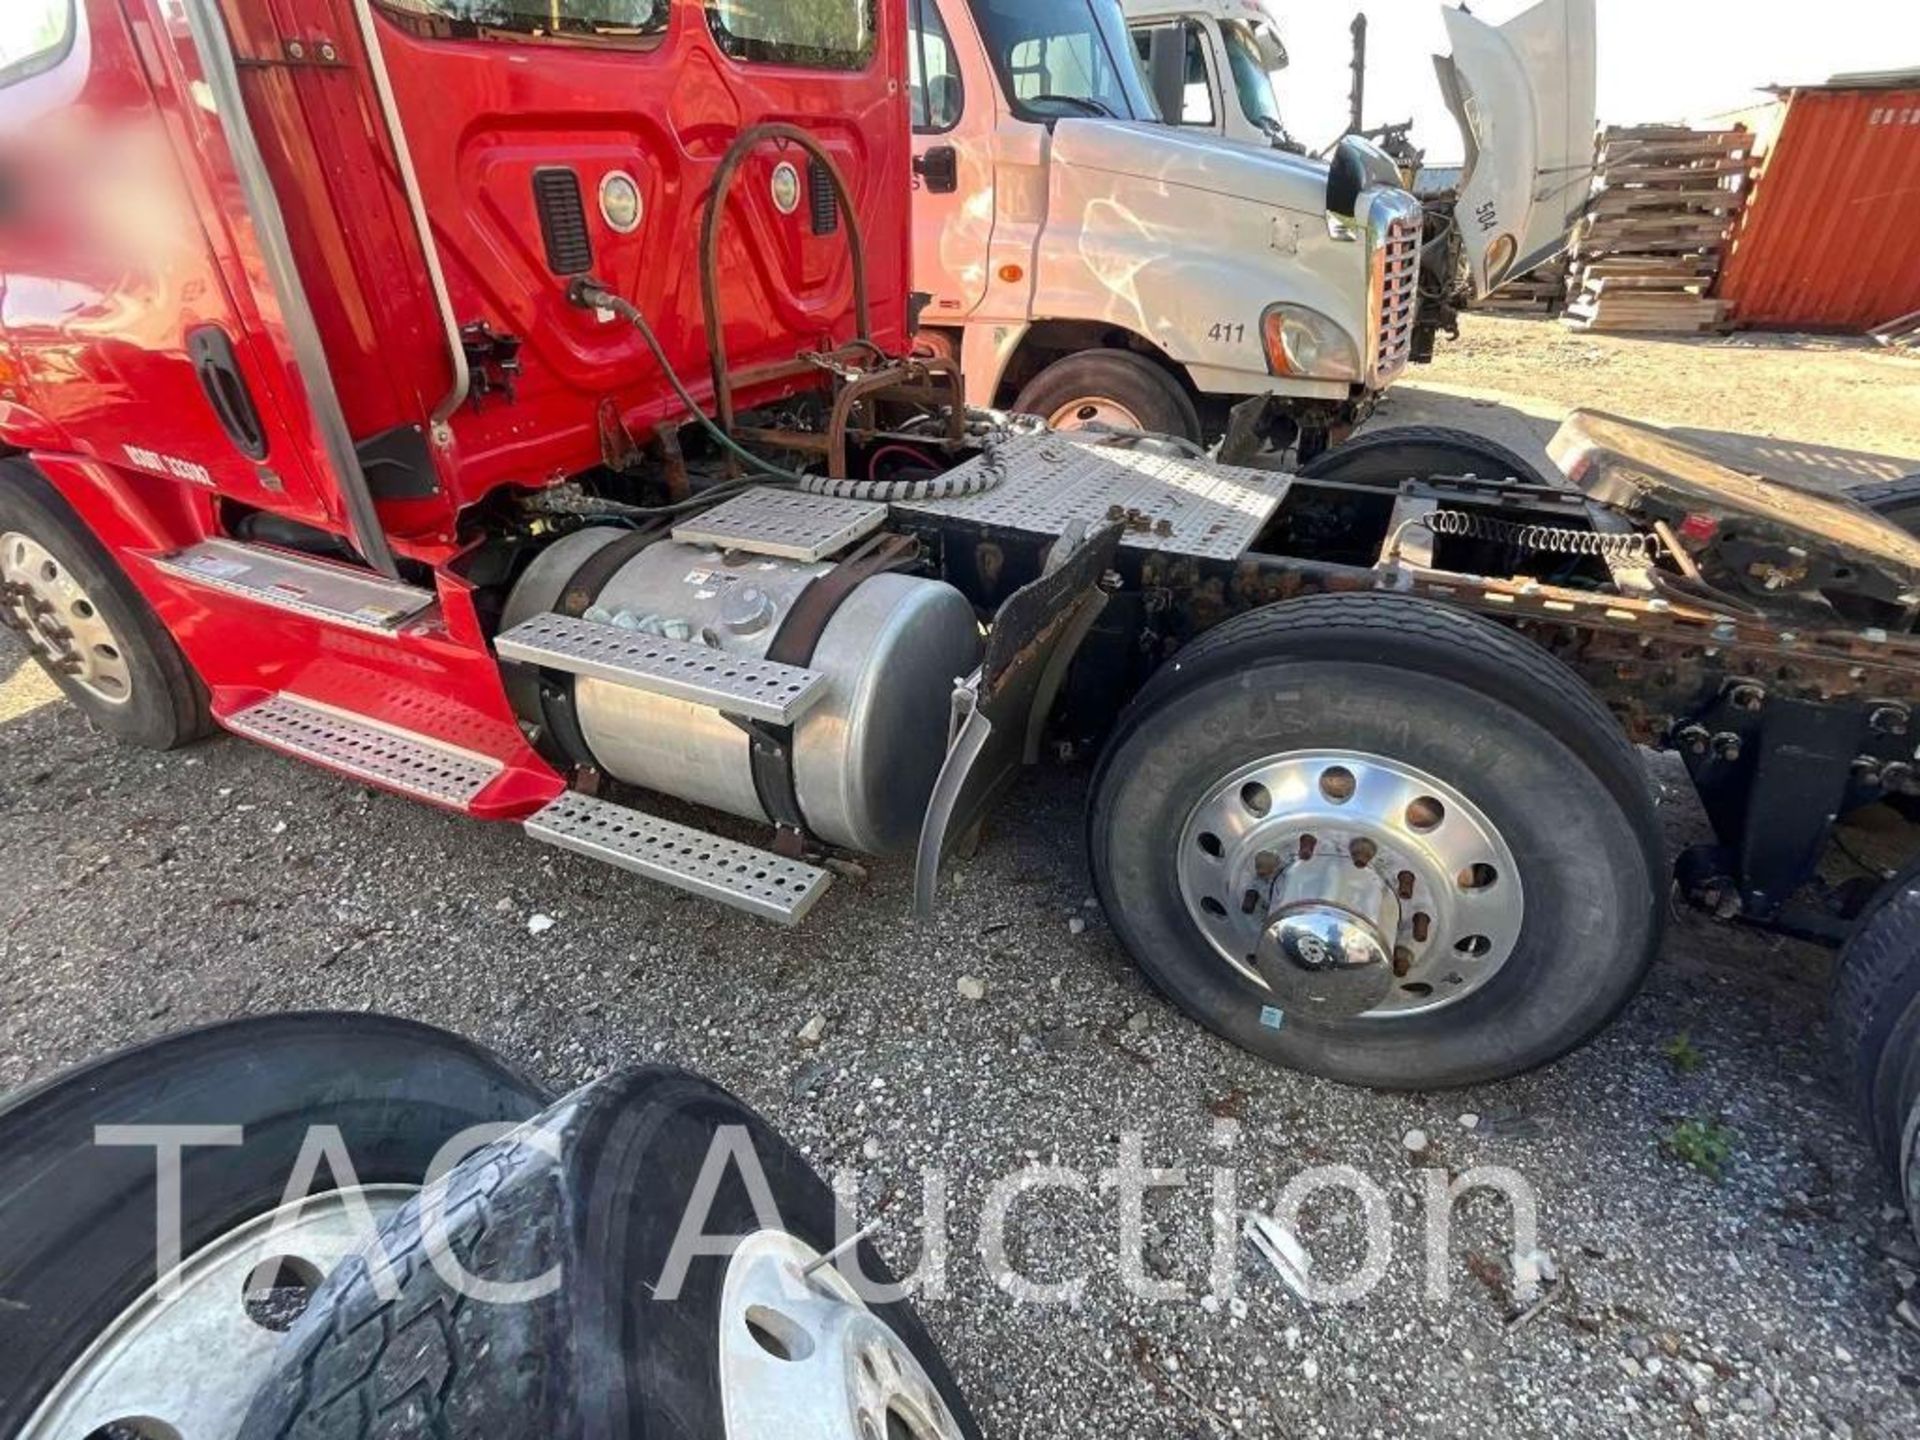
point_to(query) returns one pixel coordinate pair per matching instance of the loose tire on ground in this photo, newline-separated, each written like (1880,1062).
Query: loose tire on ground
(1403,452)
(1116,387)
(77,1218)
(167,705)
(1453,697)
(1876,1014)
(601,1355)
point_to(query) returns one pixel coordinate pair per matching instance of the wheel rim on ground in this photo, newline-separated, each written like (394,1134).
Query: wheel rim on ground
(803,1358)
(1093,410)
(183,1361)
(1350,885)
(62,621)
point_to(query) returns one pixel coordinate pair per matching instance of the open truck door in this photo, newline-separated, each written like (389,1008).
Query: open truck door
(1524,94)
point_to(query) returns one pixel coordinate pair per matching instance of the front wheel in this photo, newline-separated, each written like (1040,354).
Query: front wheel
(87,625)
(1113,388)
(1382,841)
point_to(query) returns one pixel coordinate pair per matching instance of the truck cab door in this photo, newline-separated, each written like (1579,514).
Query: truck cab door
(1524,94)
(129,302)
(952,93)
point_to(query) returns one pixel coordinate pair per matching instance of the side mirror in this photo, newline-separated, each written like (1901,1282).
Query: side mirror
(1167,70)
(939,169)
(1358,164)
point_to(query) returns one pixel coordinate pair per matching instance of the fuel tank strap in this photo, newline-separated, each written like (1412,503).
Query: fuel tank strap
(561,741)
(770,747)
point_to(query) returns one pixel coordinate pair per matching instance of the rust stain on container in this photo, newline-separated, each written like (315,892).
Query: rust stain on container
(1831,235)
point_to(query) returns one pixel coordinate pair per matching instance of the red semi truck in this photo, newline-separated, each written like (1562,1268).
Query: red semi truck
(511,405)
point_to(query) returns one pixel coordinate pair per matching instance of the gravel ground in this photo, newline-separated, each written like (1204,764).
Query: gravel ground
(147,893)
(1822,411)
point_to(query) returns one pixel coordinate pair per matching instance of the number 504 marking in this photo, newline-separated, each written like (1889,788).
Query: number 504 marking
(1228,332)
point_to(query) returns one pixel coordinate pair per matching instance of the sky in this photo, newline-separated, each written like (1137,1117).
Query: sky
(1659,59)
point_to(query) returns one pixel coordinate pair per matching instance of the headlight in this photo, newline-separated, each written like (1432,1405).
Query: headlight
(1306,344)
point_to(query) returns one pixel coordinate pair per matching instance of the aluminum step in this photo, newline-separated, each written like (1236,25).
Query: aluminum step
(327,591)
(732,684)
(783,523)
(381,755)
(755,881)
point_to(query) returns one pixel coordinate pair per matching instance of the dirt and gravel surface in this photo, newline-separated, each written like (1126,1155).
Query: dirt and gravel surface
(145,893)
(1826,411)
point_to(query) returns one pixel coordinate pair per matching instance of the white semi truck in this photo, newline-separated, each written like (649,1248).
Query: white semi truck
(1090,262)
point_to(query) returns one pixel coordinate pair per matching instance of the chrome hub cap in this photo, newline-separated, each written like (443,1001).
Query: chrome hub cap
(1350,885)
(803,1358)
(1093,410)
(60,621)
(184,1361)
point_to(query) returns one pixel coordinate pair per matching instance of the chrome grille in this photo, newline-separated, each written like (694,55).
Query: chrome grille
(1398,272)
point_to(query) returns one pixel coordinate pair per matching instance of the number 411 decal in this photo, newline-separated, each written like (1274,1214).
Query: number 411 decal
(1228,332)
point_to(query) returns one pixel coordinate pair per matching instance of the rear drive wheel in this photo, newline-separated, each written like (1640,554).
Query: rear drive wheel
(92,632)
(1115,388)
(1380,840)
(765,1342)
(90,1344)
(1404,452)
(1876,1013)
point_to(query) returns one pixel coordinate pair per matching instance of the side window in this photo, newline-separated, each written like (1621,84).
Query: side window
(814,34)
(933,70)
(610,21)
(1196,94)
(34,36)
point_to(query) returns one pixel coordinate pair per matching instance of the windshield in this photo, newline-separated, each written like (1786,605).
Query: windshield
(1250,76)
(1064,57)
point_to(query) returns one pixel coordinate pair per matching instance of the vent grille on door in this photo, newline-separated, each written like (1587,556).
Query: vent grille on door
(563,221)
(826,206)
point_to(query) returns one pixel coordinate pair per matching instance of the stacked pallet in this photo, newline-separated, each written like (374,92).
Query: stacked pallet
(1648,251)
(1541,291)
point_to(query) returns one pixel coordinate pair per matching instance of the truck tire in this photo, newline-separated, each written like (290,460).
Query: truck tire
(66,594)
(1876,1013)
(1111,387)
(610,1347)
(1894,500)
(1431,764)
(77,1215)
(1402,452)
(1910,1170)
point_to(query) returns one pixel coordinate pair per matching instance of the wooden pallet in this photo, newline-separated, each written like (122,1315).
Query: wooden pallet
(1646,254)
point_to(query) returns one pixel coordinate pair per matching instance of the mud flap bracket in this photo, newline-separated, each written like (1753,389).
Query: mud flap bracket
(1000,709)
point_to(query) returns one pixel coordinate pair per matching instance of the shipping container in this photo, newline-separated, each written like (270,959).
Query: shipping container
(1830,239)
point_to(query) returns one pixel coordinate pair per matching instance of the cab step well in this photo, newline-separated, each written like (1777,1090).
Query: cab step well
(381,755)
(733,684)
(321,589)
(756,881)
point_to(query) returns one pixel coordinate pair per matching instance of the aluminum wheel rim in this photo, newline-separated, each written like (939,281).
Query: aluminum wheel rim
(62,622)
(803,1358)
(1093,410)
(1465,879)
(185,1360)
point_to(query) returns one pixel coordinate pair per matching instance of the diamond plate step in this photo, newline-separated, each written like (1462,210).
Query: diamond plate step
(755,881)
(783,523)
(336,593)
(393,759)
(732,684)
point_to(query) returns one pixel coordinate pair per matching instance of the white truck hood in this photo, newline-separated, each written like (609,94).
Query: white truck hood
(1524,94)
(1172,156)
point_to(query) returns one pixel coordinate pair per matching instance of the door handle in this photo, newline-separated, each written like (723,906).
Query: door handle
(939,169)
(226,389)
